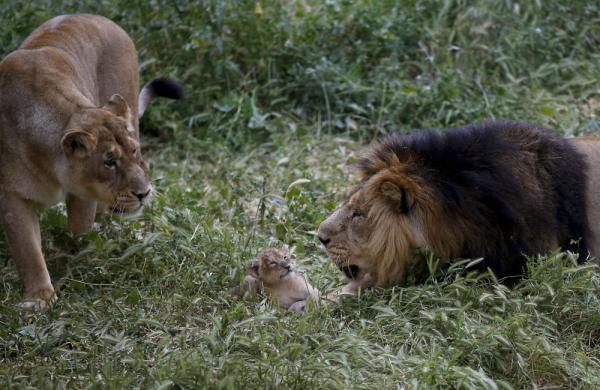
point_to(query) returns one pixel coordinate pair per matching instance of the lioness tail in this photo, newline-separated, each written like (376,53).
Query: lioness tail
(161,86)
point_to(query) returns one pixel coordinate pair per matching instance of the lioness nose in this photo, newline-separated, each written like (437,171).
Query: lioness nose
(141,195)
(324,241)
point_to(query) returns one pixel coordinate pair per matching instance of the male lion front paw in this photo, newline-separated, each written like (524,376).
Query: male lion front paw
(298,307)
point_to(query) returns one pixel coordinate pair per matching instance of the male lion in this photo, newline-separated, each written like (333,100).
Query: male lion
(69,130)
(500,191)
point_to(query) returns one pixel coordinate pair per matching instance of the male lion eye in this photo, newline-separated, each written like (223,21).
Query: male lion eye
(357,213)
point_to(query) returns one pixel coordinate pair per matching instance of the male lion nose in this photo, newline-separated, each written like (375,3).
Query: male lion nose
(141,195)
(324,241)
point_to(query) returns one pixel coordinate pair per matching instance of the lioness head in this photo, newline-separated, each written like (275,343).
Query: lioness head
(104,162)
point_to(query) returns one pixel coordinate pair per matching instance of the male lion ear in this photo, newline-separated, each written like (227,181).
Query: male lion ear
(118,106)
(78,143)
(398,195)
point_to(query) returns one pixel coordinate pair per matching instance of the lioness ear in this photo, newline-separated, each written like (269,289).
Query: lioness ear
(78,143)
(118,106)
(398,195)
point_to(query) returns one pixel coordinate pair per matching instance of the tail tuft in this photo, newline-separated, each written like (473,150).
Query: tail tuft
(167,87)
(159,87)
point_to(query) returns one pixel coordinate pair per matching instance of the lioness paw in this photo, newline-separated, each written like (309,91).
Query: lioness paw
(36,304)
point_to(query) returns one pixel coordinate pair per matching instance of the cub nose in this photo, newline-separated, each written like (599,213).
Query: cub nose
(324,241)
(141,195)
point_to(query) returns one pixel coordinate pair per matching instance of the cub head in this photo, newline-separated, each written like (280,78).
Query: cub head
(387,221)
(271,266)
(104,162)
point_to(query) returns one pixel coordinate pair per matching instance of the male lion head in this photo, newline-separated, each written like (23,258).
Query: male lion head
(385,224)
(376,231)
(103,156)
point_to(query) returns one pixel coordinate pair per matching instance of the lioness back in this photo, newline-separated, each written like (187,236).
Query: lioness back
(99,47)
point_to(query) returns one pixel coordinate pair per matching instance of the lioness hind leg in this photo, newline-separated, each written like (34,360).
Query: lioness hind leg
(80,214)
(22,231)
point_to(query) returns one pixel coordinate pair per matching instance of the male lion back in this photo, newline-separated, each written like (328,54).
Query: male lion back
(538,201)
(562,173)
(540,204)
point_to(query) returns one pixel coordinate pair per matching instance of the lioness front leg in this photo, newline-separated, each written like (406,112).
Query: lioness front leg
(22,231)
(80,214)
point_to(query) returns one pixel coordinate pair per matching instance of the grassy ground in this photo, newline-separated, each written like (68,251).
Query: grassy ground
(287,90)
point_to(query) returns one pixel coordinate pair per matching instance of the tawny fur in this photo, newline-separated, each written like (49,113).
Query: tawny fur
(68,111)
(272,272)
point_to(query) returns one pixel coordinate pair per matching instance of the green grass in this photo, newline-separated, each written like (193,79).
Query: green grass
(296,92)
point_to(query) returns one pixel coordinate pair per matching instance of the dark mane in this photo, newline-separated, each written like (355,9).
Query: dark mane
(519,189)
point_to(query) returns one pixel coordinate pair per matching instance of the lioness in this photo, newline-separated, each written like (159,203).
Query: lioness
(69,131)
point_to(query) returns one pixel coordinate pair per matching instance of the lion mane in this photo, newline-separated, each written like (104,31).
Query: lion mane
(501,191)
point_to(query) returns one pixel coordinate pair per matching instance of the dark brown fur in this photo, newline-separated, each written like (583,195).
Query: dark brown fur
(499,190)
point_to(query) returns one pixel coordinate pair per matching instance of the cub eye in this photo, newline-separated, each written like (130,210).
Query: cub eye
(286,257)
(110,161)
(357,213)
(273,263)
(134,152)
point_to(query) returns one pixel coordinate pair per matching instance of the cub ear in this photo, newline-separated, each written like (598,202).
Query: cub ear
(398,195)
(78,143)
(252,268)
(118,106)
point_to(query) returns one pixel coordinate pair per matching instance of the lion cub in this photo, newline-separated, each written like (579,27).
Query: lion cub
(272,272)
